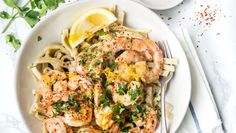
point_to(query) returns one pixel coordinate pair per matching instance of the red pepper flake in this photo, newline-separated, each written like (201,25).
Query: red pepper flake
(207,15)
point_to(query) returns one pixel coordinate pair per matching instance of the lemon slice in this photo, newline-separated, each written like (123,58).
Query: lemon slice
(88,23)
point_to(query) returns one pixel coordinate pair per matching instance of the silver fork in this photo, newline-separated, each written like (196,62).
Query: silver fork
(164,84)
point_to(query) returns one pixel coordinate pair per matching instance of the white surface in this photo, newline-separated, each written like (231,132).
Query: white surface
(159,4)
(216,52)
(200,92)
(219,61)
(50,28)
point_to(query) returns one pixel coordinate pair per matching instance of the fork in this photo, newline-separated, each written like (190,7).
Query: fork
(164,84)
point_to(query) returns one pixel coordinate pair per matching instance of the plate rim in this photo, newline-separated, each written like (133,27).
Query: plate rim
(51,14)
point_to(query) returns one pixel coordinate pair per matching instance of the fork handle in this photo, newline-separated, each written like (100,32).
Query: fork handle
(163,112)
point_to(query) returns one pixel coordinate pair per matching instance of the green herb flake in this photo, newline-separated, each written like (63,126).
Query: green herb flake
(11,3)
(112,65)
(10,38)
(105,98)
(51,4)
(134,94)
(121,89)
(58,106)
(116,118)
(39,38)
(73,97)
(117,109)
(90,104)
(76,106)
(139,109)
(92,49)
(85,97)
(32,17)
(98,62)
(101,33)
(134,118)
(113,33)
(4,15)
(85,50)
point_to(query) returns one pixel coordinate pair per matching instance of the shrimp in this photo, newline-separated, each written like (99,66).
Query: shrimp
(97,93)
(133,95)
(52,76)
(54,125)
(114,128)
(130,56)
(146,50)
(149,122)
(89,129)
(82,83)
(78,118)
(103,117)
(150,47)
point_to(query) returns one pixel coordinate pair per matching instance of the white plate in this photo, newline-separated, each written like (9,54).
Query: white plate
(159,4)
(137,16)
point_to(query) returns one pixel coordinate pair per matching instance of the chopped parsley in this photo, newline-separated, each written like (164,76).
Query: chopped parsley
(112,65)
(122,88)
(105,98)
(72,103)
(139,109)
(102,33)
(10,38)
(85,50)
(58,106)
(73,97)
(123,128)
(134,94)
(76,106)
(85,97)
(92,49)
(98,62)
(39,38)
(117,111)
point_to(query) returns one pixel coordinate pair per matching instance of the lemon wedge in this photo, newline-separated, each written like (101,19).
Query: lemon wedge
(88,23)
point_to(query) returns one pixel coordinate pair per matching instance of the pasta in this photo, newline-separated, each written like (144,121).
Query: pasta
(108,83)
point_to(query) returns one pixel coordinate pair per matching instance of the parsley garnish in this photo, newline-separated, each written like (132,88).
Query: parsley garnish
(101,33)
(105,98)
(4,15)
(64,106)
(122,88)
(31,12)
(112,65)
(10,38)
(85,97)
(39,38)
(134,94)
(139,109)
(58,106)
(117,111)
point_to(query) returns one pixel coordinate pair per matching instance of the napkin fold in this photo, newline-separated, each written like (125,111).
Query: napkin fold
(202,115)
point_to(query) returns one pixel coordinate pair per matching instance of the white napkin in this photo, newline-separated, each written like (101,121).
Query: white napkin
(202,115)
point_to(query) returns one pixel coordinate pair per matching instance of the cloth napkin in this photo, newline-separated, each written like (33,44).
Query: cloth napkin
(202,115)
